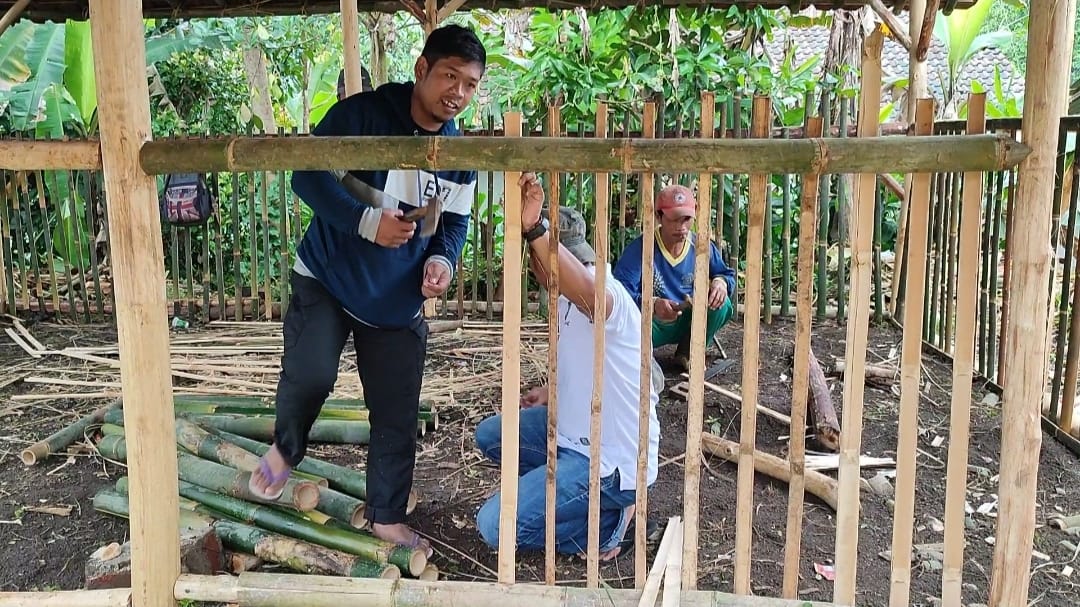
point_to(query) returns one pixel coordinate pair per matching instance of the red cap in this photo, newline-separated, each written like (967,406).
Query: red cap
(676,201)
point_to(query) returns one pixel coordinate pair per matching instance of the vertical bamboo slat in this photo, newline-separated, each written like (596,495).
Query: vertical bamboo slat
(71,244)
(785,239)
(555,126)
(19,231)
(695,403)
(991,354)
(1006,274)
(189,262)
(253,240)
(843,205)
(489,232)
(138,275)
(1021,434)
(237,255)
(1058,398)
(1072,361)
(50,257)
(910,374)
(511,363)
(82,243)
(736,208)
(959,430)
(92,237)
(862,224)
(648,241)
(475,248)
(755,224)
(824,211)
(283,243)
(219,249)
(5,245)
(600,246)
(879,293)
(950,284)
(800,383)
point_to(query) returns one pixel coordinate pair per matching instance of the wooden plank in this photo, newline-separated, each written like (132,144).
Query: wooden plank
(511,363)
(586,154)
(648,235)
(695,403)
(910,378)
(959,421)
(862,224)
(600,246)
(138,273)
(29,155)
(755,226)
(800,382)
(1021,435)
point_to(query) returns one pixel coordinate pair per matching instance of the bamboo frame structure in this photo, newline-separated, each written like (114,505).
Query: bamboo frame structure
(135,244)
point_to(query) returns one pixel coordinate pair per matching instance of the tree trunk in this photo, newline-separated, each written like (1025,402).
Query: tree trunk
(259,83)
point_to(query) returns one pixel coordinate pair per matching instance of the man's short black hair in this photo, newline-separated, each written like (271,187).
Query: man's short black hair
(454,41)
(365,82)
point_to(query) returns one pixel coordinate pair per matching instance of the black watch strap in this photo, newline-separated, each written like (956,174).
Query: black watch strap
(536,231)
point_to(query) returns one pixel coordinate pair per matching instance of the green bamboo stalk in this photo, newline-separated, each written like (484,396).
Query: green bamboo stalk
(60,440)
(879,294)
(43,206)
(268,294)
(219,251)
(349,432)
(302,556)
(984,328)
(237,254)
(489,231)
(113,446)
(368,546)
(824,206)
(91,204)
(111,429)
(991,355)
(253,241)
(6,236)
(843,207)
(259,403)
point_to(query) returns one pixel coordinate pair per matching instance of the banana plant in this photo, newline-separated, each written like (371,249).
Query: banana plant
(960,33)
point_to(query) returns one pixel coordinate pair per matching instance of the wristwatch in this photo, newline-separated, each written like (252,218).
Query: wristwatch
(537,230)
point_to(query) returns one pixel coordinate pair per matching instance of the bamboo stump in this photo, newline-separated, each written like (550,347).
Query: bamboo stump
(826,423)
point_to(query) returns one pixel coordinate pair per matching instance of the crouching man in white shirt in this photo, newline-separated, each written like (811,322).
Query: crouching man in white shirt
(619,409)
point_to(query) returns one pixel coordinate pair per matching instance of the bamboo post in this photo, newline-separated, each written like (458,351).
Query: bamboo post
(967,275)
(801,381)
(910,372)
(511,362)
(761,118)
(350,41)
(5,275)
(696,398)
(824,210)
(1021,434)
(554,122)
(603,201)
(648,236)
(862,226)
(138,273)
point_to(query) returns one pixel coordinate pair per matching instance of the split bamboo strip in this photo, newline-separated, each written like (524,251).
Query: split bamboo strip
(113,597)
(1060,398)
(219,250)
(847,519)
(135,247)
(879,292)
(1006,274)
(785,238)
(824,210)
(63,438)
(31,234)
(800,383)
(237,256)
(648,236)
(673,571)
(555,125)
(30,155)
(251,589)
(651,587)
(744,517)
(910,374)
(6,248)
(826,155)
(600,299)
(953,255)
(959,430)
(511,361)
(843,207)
(1021,435)
(997,208)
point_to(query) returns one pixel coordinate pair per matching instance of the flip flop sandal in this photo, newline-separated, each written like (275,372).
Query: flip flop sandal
(268,474)
(416,543)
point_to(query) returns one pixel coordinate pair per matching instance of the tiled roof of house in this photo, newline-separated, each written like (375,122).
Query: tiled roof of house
(811,41)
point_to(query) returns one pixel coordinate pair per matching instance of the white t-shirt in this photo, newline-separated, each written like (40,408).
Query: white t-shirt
(621,394)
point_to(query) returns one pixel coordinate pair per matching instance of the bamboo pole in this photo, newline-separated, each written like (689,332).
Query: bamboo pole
(967,274)
(63,438)
(112,597)
(696,395)
(801,381)
(251,589)
(30,155)
(1021,435)
(600,246)
(824,210)
(744,518)
(350,42)
(862,224)
(826,156)
(555,125)
(648,236)
(511,362)
(910,374)
(138,273)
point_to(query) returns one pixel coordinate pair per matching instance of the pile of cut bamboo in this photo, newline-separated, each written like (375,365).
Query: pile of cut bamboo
(316,526)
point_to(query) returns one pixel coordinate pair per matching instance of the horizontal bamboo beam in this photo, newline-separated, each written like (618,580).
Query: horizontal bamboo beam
(111,597)
(272,590)
(29,155)
(826,155)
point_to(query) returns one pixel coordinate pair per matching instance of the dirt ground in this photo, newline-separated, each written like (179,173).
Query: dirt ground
(40,551)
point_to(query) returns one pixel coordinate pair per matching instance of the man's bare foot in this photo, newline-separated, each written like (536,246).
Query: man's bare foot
(268,480)
(401,534)
(614,552)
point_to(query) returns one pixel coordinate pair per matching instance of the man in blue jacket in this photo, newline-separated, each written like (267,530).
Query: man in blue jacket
(363,271)
(673,274)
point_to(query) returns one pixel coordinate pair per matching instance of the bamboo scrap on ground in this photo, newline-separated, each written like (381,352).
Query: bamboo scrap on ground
(822,409)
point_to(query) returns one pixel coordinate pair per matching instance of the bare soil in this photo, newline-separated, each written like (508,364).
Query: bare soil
(40,551)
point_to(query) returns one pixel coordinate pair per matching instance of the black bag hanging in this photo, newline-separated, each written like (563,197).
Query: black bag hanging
(186,200)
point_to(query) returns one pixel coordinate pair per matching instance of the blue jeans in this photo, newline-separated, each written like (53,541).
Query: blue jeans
(571,491)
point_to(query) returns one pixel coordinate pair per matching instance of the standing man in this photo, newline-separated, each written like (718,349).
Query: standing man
(673,274)
(620,396)
(362,271)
